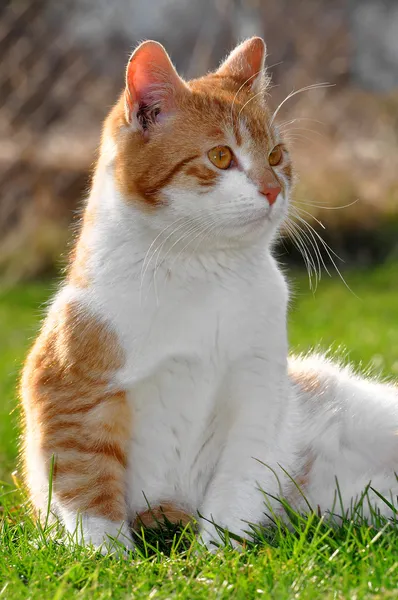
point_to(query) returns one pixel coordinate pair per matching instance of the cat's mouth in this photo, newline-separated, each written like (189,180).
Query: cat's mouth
(257,219)
(268,214)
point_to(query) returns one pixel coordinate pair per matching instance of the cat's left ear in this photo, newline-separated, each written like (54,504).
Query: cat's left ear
(152,86)
(246,64)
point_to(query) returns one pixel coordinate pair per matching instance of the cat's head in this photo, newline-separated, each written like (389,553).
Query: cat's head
(202,156)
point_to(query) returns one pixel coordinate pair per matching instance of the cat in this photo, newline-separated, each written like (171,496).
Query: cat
(161,375)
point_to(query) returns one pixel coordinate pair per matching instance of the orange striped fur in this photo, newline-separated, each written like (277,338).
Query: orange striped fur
(71,414)
(167,511)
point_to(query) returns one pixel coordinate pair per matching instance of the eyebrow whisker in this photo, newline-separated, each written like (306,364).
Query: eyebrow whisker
(306,88)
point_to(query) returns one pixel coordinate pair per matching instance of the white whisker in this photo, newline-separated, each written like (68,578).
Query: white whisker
(158,249)
(327,249)
(248,101)
(325,206)
(317,234)
(295,236)
(202,232)
(155,240)
(285,123)
(302,210)
(307,88)
(314,131)
(314,245)
(192,227)
(240,88)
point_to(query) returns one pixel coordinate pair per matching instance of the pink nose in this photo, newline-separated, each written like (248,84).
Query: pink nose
(270,192)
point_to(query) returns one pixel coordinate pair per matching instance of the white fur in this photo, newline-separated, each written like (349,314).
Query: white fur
(105,535)
(349,429)
(199,305)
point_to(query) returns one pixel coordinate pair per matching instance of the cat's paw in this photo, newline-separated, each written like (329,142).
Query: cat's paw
(108,537)
(209,540)
(115,539)
(214,537)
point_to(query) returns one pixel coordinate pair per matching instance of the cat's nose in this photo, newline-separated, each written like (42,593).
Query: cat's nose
(270,192)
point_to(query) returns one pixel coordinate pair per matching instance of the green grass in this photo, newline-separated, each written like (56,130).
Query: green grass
(311,561)
(362,323)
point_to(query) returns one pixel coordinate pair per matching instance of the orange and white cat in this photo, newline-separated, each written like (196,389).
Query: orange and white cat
(161,373)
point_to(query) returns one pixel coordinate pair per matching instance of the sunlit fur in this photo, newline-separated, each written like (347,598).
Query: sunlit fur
(161,373)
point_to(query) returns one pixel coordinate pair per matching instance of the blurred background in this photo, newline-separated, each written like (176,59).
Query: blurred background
(62,67)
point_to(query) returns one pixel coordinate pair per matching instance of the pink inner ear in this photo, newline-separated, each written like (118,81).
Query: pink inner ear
(151,77)
(256,54)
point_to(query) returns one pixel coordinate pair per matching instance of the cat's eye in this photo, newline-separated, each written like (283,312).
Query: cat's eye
(275,156)
(221,157)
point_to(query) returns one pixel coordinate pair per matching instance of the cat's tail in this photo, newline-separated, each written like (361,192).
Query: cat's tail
(346,415)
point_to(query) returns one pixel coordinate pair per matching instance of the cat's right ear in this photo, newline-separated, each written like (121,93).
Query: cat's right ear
(152,85)
(246,64)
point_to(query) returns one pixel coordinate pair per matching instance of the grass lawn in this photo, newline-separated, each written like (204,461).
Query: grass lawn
(312,561)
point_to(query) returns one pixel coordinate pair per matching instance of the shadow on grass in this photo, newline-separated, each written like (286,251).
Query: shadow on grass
(289,531)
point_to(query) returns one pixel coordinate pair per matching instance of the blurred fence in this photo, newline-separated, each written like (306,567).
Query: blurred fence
(62,67)
(52,101)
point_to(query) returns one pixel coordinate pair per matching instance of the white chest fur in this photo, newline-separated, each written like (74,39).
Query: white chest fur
(190,326)
(182,340)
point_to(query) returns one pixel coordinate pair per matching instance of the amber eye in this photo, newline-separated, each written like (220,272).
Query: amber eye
(221,157)
(275,156)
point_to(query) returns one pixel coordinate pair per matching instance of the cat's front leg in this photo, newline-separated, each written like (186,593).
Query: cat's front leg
(90,471)
(106,535)
(84,444)
(90,474)
(248,468)
(78,426)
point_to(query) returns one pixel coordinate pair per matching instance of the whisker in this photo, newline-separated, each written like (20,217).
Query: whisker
(302,210)
(317,254)
(185,234)
(328,251)
(306,88)
(298,136)
(201,233)
(240,88)
(248,101)
(300,245)
(325,206)
(309,245)
(317,234)
(269,67)
(158,249)
(270,86)
(314,131)
(314,245)
(155,240)
(285,123)
(192,227)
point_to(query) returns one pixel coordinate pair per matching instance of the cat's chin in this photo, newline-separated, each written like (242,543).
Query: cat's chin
(257,221)
(249,232)
(263,223)
(269,217)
